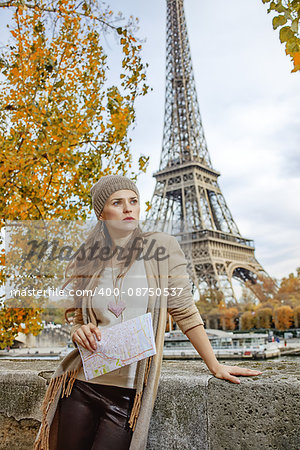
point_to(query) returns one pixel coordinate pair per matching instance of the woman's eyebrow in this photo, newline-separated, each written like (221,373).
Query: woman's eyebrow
(121,198)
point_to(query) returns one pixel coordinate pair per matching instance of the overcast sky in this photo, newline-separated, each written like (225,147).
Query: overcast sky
(250,107)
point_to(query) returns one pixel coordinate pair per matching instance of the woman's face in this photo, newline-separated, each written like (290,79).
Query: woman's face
(119,206)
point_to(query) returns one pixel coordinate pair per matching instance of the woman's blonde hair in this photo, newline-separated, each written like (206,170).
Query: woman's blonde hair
(85,273)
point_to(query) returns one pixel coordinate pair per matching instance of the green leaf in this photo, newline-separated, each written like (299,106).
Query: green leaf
(278,21)
(280,8)
(58,84)
(292,46)
(119,30)
(295,25)
(272,6)
(285,34)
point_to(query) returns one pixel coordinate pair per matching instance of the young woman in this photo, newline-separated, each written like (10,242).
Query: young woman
(113,411)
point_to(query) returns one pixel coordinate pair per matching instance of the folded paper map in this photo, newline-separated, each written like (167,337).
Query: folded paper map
(121,344)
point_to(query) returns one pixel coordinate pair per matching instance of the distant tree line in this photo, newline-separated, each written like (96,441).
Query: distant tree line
(280,311)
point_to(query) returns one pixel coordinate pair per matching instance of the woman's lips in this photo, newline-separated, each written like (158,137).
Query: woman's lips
(129,218)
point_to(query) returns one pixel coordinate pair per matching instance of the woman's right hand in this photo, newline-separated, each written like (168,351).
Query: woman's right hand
(86,336)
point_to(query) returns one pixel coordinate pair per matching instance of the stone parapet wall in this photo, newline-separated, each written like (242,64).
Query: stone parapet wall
(193,410)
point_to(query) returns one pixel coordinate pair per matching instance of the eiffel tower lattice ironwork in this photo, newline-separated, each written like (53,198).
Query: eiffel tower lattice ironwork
(187,201)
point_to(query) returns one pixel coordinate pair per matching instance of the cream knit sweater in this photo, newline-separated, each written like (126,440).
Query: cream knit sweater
(135,295)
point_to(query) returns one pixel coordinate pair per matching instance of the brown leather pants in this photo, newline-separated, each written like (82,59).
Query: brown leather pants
(95,417)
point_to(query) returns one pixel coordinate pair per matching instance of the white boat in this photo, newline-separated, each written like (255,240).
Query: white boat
(225,344)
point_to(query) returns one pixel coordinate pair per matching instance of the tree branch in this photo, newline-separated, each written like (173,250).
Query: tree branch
(13,4)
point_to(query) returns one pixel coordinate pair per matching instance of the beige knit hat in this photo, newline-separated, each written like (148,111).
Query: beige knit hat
(106,186)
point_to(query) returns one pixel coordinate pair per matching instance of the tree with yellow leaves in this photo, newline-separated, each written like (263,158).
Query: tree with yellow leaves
(62,125)
(289,291)
(263,317)
(247,320)
(297,317)
(228,317)
(283,317)
(287,15)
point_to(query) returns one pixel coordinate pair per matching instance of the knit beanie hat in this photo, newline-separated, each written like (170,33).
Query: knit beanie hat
(106,186)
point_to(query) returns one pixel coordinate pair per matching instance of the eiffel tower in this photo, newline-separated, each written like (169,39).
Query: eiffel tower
(187,201)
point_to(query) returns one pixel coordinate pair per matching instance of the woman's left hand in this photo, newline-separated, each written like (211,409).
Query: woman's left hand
(227,372)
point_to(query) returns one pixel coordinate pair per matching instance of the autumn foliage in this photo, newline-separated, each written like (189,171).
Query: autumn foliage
(18,320)
(287,15)
(283,317)
(228,317)
(62,124)
(278,309)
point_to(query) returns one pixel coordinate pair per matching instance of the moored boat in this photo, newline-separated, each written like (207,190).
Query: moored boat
(226,345)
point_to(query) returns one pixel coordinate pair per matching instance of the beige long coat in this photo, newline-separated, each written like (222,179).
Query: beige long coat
(165,274)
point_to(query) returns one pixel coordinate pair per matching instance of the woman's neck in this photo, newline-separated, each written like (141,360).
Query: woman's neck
(119,242)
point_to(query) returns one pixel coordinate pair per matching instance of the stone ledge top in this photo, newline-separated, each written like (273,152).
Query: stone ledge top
(287,369)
